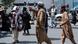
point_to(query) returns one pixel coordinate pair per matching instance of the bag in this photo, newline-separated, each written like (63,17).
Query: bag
(19,29)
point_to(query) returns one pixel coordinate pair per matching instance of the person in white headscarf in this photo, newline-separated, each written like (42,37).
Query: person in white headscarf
(15,24)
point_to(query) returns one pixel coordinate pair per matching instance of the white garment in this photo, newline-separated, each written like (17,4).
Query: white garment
(16,18)
(52,11)
(15,7)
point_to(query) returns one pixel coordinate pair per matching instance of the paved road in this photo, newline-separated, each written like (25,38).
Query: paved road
(53,33)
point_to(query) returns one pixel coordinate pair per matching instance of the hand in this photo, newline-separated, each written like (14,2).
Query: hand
(60,25)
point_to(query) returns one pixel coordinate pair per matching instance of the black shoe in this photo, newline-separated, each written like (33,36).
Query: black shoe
(24,33)
(27,34)
(15,42)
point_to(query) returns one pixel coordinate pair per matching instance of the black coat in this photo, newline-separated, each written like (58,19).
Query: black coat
(46,20)
(5,22)
(26,20)
(74,19)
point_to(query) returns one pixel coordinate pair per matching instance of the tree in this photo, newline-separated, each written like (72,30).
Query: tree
(7,3)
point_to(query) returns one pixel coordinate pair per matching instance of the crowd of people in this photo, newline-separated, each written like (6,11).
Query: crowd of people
(16,22)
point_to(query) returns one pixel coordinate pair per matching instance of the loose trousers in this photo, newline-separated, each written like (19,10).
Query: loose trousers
(15,34)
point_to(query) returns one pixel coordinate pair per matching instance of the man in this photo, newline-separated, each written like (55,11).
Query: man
(15,23)
(40,27)
(53,13)
(66,27)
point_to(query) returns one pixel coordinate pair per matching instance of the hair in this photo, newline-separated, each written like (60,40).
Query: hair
(24,9)
(63,9)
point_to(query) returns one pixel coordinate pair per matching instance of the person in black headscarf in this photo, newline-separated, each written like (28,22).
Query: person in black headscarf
(4,20)
(0,18)
(74,19)
(46,21)
(26,21)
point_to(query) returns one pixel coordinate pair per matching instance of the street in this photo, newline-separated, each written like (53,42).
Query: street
(53,33)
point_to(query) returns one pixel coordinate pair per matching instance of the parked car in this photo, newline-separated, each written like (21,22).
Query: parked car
(58,17)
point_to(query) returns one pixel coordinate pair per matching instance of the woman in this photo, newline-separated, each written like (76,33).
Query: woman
(26,21)
(4,21)
(66,26)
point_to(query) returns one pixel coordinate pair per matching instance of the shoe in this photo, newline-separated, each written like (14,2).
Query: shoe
(24,33)
(27,34)
(15,42)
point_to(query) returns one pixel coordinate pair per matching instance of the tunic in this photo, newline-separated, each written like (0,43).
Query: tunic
(66,26)
(40,27)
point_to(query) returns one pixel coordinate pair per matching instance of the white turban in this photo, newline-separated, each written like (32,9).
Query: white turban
(15,8)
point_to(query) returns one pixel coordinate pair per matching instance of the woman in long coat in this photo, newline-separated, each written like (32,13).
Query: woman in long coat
(40,27)
(4,20)
(66,27)
(26,21)
(5,23)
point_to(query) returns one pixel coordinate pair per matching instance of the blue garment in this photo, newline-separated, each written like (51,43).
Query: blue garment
(53,24)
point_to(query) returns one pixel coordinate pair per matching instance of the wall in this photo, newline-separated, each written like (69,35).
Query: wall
(0,1)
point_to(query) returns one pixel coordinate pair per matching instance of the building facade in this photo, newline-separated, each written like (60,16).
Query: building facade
(48,3)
